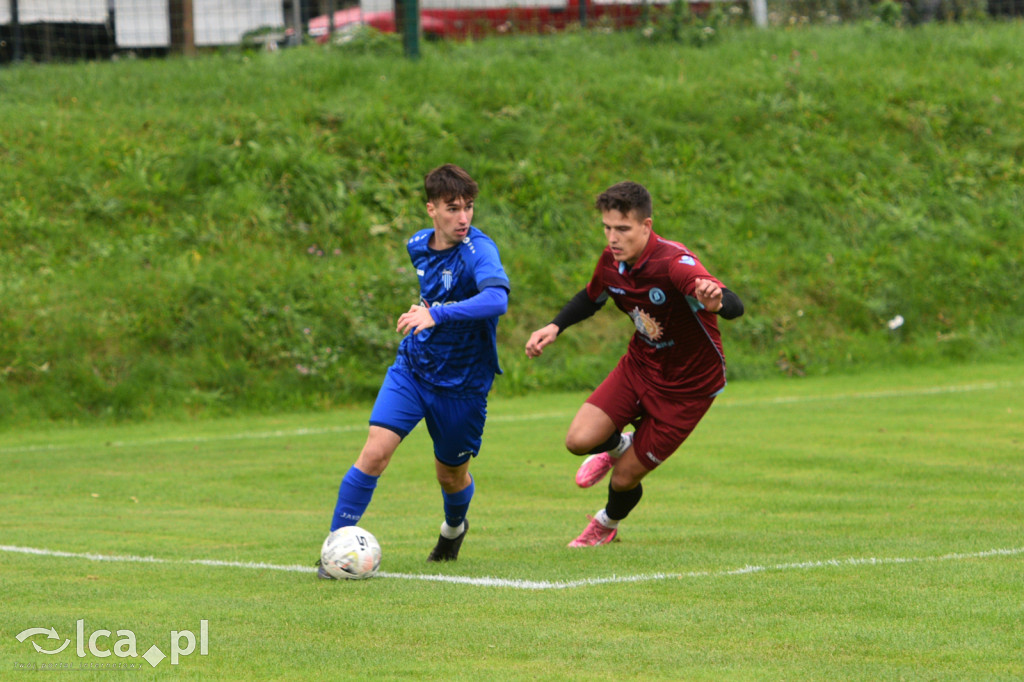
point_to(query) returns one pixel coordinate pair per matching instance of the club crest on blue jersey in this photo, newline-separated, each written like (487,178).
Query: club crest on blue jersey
(656,295)
(446,278)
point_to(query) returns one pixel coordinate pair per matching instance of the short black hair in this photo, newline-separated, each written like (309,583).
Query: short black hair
(626,197)
(449,182)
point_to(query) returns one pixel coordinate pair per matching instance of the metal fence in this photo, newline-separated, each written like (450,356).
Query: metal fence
(47,30)
(72,29)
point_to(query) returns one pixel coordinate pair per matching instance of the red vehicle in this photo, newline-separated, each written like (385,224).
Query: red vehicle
(438,19)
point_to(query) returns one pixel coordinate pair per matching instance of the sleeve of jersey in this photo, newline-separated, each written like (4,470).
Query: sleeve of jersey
(684,274)
(491,302)
(585,303)
(485,262)
(732,306)
(579,308)
(596,288)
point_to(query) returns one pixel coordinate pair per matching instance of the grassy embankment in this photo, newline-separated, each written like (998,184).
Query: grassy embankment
(226,233)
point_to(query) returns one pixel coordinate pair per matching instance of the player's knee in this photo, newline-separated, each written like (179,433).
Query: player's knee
(627,477)
(446,479)
(577,445)
(452,481)
(372,461)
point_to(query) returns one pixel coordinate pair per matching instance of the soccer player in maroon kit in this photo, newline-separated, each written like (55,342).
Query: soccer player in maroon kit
(674,365)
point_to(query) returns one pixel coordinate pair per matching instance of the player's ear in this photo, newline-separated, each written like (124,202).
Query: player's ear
(431,209)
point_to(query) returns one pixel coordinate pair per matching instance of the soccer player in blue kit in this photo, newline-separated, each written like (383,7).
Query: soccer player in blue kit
(445,364)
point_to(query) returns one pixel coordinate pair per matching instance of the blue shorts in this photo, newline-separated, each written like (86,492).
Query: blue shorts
(455,422)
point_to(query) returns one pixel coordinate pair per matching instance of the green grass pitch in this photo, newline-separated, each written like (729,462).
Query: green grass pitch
(858,528)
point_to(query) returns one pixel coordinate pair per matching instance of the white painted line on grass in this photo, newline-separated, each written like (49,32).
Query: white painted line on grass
(870,395)
(319,431)
(539,584)
(252,435)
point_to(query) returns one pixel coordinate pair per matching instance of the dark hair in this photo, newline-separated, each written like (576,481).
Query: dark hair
(625,197)
(449,182)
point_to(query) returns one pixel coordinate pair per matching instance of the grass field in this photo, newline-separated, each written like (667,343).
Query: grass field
(853,528)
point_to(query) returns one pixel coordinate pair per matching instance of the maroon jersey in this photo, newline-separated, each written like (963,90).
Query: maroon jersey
(677,346)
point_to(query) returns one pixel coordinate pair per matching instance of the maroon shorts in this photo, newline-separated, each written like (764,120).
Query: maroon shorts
(662,421)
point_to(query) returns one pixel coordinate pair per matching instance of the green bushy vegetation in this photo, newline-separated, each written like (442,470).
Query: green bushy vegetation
(227,233)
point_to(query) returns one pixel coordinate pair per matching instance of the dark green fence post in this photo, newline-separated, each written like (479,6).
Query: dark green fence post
(407,22)
(15,32)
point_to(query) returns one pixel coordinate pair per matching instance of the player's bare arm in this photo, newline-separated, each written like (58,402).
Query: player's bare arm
(415,320)
(541,338)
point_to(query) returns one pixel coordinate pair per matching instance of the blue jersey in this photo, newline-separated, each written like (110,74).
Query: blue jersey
(458,355)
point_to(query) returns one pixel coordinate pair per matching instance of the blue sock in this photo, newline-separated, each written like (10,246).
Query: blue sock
(457,504)
(354,497)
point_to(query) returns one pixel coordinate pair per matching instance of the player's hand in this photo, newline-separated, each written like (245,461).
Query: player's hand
(709,294)
(540,338)
(416,320)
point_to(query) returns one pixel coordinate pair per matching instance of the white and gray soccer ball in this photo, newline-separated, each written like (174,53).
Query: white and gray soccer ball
(350,553)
